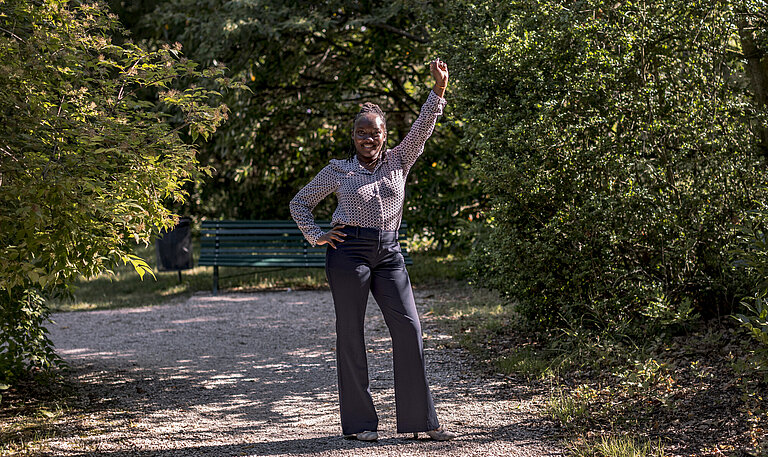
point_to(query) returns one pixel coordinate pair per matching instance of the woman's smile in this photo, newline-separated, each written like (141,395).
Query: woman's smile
(369,145)
(369,136)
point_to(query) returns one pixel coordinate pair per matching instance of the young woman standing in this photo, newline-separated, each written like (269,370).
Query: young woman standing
(364,255)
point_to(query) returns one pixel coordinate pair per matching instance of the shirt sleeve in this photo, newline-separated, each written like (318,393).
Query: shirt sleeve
(413,144)
(307,198)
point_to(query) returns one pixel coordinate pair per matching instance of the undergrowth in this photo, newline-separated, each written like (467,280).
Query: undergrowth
(630,390)
(29,414)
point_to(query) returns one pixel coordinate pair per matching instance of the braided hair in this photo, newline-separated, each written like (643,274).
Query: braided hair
(367,108)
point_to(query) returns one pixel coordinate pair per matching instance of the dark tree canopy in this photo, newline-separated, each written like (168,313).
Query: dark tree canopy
(309,66)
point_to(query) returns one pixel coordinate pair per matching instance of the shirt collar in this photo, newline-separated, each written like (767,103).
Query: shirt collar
(361,168)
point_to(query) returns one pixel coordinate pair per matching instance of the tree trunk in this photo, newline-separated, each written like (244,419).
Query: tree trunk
(757,68)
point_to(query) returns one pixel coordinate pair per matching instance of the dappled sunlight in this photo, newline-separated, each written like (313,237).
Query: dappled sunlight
(221,380)
(315,353)
(174,290)
(197,320)
(73,351)
(296,303)
(212,301)
(162,330)
(323,412)
(88,353)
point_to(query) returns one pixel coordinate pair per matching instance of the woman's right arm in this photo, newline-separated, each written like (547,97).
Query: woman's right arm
(307,198)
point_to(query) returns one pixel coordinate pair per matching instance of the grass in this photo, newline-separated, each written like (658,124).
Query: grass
(618,446)
(125,288)
(533,363)
(568,408)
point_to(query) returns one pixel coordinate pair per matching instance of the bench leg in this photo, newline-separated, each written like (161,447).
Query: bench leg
(215,279)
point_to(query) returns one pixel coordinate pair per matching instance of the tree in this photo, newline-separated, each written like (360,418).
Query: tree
(309,65)
(90,153)
(752,24)
(618,144)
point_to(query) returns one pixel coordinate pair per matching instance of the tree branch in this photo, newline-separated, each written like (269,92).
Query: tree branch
(399,88)
(8,153)
(13,35)
(397,31)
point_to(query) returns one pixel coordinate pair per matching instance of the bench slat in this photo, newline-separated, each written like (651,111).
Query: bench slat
(262,243)
(324,224)
(267,249)
(247,256)
(271,263)
(279,232)
(249,242)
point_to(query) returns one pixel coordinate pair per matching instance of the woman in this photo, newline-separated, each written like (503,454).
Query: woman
(364,255)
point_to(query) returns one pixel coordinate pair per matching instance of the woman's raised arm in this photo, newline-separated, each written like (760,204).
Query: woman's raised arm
(413,144)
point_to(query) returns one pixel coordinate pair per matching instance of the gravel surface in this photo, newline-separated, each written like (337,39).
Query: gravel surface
(254,374)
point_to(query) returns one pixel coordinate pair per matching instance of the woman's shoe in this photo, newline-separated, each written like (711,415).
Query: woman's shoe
(438,434)
(363,436)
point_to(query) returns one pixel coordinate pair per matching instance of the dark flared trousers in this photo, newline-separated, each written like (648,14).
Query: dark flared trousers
(370,260)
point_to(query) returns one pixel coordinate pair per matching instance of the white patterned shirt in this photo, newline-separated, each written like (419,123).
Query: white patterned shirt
(367,198)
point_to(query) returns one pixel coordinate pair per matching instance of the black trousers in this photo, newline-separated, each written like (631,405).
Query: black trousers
(370,260)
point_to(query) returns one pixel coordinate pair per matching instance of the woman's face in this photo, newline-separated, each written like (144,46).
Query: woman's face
(369,136)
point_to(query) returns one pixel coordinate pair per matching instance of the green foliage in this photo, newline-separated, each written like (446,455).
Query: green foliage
(600,386)
(529,363)
(616,142)
(751,256)
(309,65)
(25,342)
(757,321)
(90,153)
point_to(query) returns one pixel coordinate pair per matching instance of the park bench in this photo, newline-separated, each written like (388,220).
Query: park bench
(251,243)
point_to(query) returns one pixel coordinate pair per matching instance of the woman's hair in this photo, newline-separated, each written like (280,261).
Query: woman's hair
(367,108)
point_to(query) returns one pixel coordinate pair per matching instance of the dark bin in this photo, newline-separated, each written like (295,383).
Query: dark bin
(174,248)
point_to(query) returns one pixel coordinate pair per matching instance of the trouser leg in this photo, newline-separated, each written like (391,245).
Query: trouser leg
(391,287)
(350,282)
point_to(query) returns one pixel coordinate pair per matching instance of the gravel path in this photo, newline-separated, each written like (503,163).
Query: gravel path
(254,374)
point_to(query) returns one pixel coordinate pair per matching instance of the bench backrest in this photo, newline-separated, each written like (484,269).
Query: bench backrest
(262,243)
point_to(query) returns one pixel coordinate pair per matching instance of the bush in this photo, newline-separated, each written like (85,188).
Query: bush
(89,157)
(617,144)
(752,256)
(25,344)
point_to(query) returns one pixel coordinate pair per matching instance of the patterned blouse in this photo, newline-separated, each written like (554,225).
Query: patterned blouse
(367,198)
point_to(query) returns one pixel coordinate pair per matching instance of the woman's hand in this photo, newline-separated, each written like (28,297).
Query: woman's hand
(334,234)
(439,70)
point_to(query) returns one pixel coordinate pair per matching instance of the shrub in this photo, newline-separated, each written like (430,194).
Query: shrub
(751,255)
(88,158)
(617,143)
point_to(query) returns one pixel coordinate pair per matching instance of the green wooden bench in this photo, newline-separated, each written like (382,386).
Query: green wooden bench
(278,244)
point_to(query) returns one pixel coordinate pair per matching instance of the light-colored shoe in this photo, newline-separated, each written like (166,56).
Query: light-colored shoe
(363,436)
(439,434)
